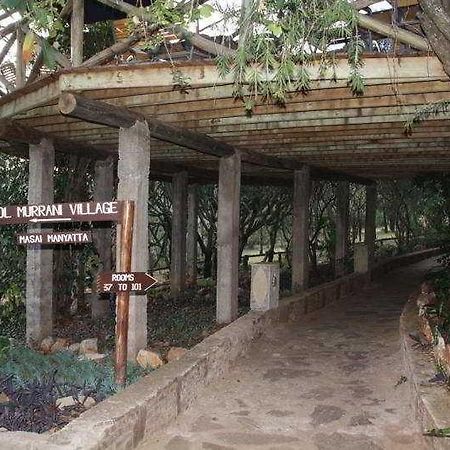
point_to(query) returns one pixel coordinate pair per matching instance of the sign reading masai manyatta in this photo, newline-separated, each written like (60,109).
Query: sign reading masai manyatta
(61,212)
(51,238)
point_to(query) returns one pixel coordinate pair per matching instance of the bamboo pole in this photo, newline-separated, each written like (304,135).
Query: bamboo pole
(123,298)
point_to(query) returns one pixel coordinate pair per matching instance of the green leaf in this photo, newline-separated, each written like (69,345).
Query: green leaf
(206,11)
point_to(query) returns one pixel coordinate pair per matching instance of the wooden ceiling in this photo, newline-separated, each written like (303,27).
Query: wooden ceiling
(328,128)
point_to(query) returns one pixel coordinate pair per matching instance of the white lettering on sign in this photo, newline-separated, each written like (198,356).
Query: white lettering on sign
(69,238)
(39,211)
(122,277)
(25,239)
(86,209)
(4,213)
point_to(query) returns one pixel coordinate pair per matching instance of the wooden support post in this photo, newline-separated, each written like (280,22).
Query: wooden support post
(371,214)
(103,192)
(228,238)
(39,272)
(191,240)
(300,230)
(76,32)
(178,241)
(123,298)
(20,65)
(133,172)
(342,210)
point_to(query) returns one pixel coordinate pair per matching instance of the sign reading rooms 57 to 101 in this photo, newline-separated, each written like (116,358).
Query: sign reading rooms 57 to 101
(62,212)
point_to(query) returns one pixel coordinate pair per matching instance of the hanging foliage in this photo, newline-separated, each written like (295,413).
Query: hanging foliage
(279,40)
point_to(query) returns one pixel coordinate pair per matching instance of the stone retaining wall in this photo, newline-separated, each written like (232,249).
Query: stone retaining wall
(152,403)
(431,402)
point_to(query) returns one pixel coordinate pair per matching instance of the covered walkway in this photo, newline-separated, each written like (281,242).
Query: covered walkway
(332,381)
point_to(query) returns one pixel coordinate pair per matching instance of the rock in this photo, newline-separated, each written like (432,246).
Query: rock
(64,402)
(46,344)
(149,358)
(3,398)
(89,346)
(2,429)
(176,353)
(96,357)
(74,348)
(426,288)
(425,329)
(60,344)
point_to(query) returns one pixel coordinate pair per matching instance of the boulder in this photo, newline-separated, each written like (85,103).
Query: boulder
(89,346)
(64,402)
(46,344)
(96,357)
(149,359)
(59,345)
(176,353)
(74,348)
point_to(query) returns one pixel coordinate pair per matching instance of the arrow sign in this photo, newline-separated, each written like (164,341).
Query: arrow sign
(61,212)
(137,282)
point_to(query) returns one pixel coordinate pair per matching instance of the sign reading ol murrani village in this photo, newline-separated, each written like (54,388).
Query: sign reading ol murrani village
(62,212)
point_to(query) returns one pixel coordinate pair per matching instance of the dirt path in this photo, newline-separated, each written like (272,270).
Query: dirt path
(327,382)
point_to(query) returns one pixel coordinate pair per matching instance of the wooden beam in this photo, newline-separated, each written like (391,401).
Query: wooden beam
(105,114)
(118,117)
(7,47)
(108,54)
(20,64)
(76,32)
(11,131)
(394,32)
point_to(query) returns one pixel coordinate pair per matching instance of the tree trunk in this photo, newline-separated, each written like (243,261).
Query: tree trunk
(435,21)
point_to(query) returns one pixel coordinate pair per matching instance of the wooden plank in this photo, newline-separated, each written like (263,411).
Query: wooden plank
(142,75)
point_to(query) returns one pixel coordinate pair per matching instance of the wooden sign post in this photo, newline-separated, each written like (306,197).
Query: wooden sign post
(123,298)
(122,212)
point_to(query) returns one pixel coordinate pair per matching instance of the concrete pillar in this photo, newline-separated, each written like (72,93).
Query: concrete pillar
(191,244)
(228,238)
(361,258)
(342,210)
(133,172)
(39,272)
(103,192)
(300,230)
(265,286)
(178,241)
(371,214)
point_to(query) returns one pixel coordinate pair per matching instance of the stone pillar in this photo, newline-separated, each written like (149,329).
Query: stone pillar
(300,230)
(228,238)
(371,215)
(178,241)
(103,192)
(39,272)
(361,258)
(191,245)
(133,172)
(265,286)
(342,210)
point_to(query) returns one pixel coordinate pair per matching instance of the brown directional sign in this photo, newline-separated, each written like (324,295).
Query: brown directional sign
(52,238)
(139,282)
(62,212)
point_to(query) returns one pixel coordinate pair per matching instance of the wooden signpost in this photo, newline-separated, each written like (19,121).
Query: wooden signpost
(116,211)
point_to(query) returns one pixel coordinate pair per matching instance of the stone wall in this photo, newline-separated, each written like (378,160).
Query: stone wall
(152,403)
